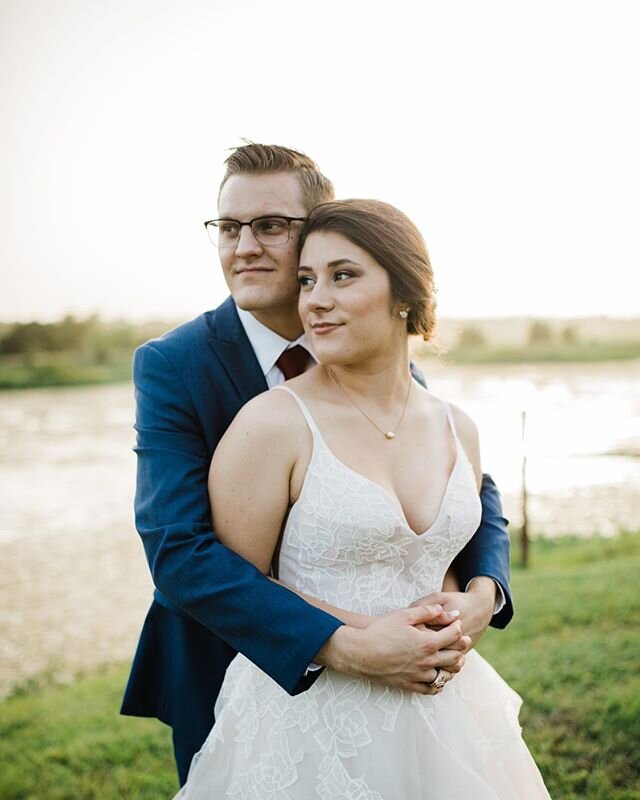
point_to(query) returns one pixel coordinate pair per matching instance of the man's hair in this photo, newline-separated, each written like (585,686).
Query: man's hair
(258,159)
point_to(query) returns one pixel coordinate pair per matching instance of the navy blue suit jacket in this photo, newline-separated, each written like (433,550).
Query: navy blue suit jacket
(210,603)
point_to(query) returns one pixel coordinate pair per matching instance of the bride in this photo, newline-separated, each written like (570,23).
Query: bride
(356,488)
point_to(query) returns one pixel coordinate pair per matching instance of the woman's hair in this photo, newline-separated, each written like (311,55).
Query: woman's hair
(259,159)
(394,242)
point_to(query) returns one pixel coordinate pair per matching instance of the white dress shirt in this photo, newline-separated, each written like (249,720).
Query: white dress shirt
(268,347)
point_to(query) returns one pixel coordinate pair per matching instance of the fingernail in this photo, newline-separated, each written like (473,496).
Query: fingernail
(455,613)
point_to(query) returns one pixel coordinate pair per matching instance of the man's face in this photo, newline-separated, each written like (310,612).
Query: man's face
(262,278)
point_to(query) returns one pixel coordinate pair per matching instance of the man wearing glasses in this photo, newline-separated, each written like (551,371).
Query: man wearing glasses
(209,603)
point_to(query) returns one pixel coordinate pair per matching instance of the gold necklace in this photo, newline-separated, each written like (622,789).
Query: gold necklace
(387,434)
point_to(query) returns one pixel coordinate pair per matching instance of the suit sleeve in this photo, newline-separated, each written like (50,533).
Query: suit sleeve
(487,553)
(270,625)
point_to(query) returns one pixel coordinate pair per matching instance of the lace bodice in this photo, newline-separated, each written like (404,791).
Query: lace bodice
(347,541)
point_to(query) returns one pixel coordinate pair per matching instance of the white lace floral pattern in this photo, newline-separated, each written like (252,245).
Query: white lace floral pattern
(347,541)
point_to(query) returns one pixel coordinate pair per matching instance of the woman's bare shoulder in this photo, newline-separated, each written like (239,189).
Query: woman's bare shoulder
(266,434)
(465,427)
(268,416)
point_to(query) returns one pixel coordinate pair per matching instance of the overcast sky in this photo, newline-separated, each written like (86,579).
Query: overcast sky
(507,130)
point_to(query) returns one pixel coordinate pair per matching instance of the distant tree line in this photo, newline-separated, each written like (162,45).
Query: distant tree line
(540,333)
(90,337)
(543,333)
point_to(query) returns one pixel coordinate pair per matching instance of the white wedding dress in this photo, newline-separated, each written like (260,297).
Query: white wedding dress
(347,542)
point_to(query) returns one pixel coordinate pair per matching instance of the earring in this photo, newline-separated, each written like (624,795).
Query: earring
(404,313)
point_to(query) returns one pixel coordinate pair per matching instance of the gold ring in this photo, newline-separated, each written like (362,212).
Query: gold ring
(439,681)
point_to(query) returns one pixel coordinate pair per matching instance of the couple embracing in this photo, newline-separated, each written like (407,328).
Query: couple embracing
(325,554)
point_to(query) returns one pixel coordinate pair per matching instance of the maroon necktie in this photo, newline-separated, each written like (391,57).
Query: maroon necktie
(293,362)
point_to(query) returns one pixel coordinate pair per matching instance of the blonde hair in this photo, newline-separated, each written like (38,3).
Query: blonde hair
(256,159)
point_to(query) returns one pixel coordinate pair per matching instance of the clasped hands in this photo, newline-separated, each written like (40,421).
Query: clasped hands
(404,649)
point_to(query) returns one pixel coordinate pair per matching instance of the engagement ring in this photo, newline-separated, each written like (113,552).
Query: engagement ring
(439,681)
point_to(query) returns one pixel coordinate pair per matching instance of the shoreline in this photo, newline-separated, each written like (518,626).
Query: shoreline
(16,377)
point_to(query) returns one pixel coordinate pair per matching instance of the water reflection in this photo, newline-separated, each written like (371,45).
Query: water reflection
(66,464)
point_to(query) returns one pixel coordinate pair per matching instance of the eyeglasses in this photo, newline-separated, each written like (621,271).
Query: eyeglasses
(269,231)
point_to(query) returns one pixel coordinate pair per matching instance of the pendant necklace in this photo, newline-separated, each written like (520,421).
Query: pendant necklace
(387,434)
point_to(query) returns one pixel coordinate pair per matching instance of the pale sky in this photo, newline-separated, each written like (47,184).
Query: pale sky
(507,130)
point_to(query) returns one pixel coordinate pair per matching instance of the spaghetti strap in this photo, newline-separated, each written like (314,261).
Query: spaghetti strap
(451,420)
(305,411)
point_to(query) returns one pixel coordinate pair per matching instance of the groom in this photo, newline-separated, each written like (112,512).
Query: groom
(209,603)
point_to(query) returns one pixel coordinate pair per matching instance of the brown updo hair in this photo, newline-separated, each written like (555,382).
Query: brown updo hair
(394,242)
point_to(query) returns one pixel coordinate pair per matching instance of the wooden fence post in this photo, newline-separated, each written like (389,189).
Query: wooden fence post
(524,532)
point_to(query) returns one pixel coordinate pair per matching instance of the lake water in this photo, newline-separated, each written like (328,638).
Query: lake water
(582,439)
(74,586)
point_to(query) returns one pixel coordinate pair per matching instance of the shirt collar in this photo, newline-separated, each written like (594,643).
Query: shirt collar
(267,345)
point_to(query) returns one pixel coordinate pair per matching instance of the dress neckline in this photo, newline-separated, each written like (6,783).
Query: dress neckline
(391,499)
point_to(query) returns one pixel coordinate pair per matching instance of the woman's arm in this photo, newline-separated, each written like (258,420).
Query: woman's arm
(249,485)
(249,479)
(450,582)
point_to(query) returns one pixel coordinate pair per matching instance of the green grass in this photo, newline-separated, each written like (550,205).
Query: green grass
(64,742)
(51,372)
(572,652)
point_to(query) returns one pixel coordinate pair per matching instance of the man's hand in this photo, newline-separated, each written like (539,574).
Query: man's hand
(476,606)
(398,650)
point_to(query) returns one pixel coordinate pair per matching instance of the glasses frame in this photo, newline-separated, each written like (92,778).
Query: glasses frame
(213,224)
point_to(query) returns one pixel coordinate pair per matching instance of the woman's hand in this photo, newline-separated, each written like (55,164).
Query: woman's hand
(475,607)
(399,649)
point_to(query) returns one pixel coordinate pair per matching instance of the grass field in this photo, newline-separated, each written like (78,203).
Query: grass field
(573,653)
(56,372)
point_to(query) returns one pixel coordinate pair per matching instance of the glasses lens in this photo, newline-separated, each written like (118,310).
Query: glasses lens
(223,232)
(271,230)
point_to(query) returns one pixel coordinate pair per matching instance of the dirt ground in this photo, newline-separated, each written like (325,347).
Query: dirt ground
(69,604)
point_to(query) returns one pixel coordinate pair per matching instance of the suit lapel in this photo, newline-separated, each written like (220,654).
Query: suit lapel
(234,351)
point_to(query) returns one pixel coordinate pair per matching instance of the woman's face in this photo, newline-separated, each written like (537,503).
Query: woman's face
(345,301)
